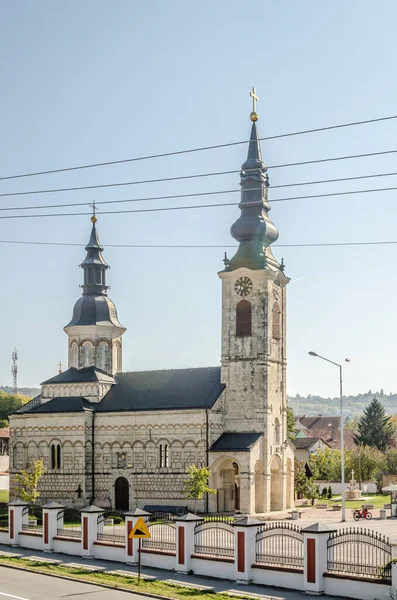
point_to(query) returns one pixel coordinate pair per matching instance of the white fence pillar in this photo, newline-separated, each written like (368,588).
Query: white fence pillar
(315,540)
(15,520)
(50,524)
(245,543)
(394,565)
(89,528)
(185,542)
(132,546)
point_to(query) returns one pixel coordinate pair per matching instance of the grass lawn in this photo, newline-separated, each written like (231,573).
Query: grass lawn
(3,495)
(378,500)
(159,588)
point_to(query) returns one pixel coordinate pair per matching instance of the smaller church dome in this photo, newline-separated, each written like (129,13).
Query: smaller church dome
(94,310)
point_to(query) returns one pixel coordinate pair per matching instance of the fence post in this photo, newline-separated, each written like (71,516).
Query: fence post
(50,524)
(185,542)
(394,565)
(131,546)
(315,538)
(89,528)
(245,546)
(15,520)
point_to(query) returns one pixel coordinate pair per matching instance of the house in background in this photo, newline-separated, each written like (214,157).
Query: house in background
(305,447)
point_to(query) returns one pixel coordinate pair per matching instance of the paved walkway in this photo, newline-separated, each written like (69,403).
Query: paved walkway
(202,583)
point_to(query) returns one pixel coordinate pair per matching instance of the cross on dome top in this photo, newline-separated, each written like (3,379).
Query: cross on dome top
(254,115)
(94,209)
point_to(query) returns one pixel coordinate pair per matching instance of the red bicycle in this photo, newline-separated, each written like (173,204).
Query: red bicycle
(362,514)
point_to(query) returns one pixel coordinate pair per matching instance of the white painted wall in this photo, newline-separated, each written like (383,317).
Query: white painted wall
(293,581)
(336,486)
(4,464)
(355,589)
(4,482)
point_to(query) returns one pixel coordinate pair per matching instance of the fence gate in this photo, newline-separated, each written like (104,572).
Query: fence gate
(162,528)
(279,544)
(214,536)
(360,552)
(111,527)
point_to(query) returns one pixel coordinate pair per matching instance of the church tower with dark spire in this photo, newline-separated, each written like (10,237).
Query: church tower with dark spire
(253,362)
(95,331)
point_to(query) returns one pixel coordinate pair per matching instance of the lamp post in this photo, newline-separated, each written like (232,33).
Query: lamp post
(342,441)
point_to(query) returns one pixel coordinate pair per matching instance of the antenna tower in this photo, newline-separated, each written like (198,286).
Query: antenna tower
(14,371)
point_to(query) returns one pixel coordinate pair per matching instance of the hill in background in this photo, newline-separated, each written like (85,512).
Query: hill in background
(29,392)
(353,406)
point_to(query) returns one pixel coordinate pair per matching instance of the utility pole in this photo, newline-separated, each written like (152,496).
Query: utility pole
(14,371)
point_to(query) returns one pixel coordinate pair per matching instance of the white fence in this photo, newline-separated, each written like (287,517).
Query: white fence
(352,562)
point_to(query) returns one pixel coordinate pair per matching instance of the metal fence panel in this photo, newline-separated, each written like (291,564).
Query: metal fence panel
(69,523)
(111,527)
(359,552)
(214,537)
(279,544)
(35,519)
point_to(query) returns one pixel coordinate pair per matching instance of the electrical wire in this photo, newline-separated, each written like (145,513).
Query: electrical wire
(202,246)
(200,149)
(285,185)
(196,206)
(165,179)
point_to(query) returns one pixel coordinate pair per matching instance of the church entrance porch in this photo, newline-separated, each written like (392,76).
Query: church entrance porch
(276,496)
(122,494)
(226,481)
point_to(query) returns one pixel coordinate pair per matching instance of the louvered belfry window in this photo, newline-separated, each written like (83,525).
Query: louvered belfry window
(243,318)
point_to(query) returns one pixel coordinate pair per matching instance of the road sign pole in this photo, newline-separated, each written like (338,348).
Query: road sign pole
(139,561)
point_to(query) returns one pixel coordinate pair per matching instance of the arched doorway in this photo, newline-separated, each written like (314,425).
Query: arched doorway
(122,494)
(276,499)
(226,480)
(290,498)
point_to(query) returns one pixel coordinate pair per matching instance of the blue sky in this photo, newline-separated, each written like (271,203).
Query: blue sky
(92,81)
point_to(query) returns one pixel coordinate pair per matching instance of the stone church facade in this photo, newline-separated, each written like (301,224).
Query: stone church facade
(125,440)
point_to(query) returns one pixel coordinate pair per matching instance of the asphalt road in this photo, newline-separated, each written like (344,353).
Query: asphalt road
(22,585)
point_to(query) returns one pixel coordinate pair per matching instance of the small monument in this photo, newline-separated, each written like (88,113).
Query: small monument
(352,492)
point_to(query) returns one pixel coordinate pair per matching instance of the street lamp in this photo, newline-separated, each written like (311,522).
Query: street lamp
(342,441)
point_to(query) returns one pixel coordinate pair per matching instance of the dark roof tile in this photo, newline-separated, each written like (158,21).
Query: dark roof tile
(163,390)
(62,405)
(85,375)
(235,442)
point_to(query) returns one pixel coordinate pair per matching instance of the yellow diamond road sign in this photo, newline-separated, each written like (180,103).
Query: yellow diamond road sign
(140,530)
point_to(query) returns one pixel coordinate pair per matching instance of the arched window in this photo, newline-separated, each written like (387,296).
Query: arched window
(276,321)
(243,318)
(88,354)
(163,455)
(103,356)
(277,429)
(74,361)
(55,456)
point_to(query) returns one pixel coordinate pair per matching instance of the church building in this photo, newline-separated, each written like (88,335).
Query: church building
(125,439)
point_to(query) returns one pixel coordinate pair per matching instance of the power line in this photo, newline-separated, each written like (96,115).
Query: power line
(202,246)
(196,206)
(182,177)
(200,149)
(285,185)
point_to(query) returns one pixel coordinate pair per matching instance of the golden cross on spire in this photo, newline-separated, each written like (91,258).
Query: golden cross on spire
(94,209)
(60,367)
(254,115)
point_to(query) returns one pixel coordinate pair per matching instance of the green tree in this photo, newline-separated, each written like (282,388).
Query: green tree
(300,479)
(374,427)
(9,403)
(366,463)
(312,491)
(28,480)
(326,464)
(291,430)
(196,485)
(391,461)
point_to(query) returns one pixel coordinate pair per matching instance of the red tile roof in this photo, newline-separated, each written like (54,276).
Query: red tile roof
(5,432)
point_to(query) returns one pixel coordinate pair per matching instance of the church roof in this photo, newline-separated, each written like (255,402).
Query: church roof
(94,310)
(305,443)
(163,390)
(235,442)
(60,405)
(86,375)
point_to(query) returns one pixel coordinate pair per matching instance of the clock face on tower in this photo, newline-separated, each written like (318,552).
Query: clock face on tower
(243,286)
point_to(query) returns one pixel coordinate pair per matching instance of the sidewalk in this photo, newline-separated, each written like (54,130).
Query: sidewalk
(194,581)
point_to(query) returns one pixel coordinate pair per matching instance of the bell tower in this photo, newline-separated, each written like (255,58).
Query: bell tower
(95,332)
(253,361)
